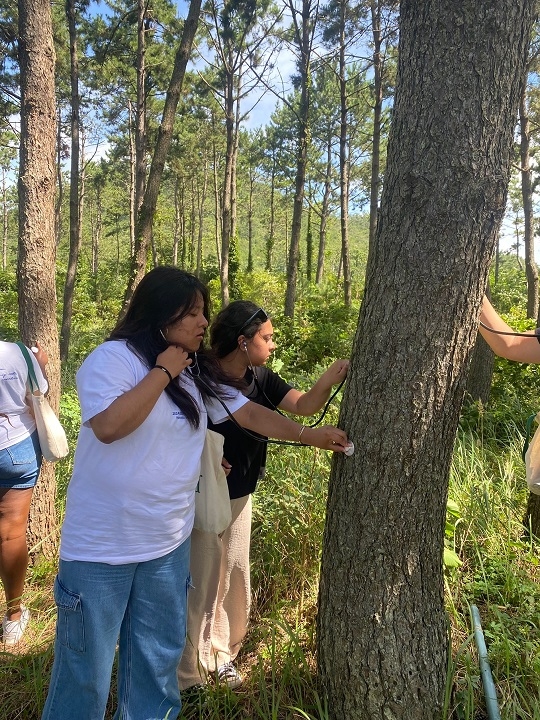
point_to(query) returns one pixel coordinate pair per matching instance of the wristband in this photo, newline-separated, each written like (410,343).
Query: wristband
(300,434)
(160,367)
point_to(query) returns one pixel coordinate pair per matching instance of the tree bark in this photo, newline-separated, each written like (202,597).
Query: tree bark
(481,372)
(382,629)
(37,242)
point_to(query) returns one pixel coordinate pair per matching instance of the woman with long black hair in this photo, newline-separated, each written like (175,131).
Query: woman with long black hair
(124,554)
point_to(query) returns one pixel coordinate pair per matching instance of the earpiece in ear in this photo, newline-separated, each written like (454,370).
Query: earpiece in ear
(244,345)
(163,334)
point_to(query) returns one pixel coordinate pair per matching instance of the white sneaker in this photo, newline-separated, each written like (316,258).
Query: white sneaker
(14,629)
(229,675)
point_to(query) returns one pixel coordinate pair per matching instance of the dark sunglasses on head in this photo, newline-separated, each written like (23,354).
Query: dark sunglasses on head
(257,315)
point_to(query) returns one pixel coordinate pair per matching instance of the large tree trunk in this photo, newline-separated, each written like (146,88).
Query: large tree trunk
(382,629)
(37,245)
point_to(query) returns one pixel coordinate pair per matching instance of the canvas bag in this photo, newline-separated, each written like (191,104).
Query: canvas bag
(531,455)
(52,438)
(212,502)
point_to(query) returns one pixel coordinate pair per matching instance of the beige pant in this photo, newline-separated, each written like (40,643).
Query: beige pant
(219,601)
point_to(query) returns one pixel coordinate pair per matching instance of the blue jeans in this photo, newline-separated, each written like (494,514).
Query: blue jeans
(20,464)
(142,606)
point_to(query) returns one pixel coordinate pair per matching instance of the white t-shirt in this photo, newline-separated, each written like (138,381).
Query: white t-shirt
(19,423)
(134,499)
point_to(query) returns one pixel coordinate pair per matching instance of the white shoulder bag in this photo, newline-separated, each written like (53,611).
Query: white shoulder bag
(52,438)
(212,502)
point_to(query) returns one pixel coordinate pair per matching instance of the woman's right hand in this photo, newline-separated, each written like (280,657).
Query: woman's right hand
(175,359)
(326,437)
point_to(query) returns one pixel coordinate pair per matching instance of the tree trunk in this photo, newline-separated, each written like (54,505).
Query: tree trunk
(377,114)
(527,194)
(201,202)
(140,113)
(74,210)
(344,162)
(309,246)
(4,220)
(325,209)
(249,267)
(59,180)
(148,207)
(217,206)
(37,241)
(271,231)
(531,521)
(481,372)
(132,183)
(303,34)
(382,628)
(226,200)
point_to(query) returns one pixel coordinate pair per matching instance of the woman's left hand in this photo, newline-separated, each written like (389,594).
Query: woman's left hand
(335,373)
(226,465)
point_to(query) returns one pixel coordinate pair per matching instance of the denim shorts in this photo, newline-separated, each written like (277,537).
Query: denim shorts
(20,464)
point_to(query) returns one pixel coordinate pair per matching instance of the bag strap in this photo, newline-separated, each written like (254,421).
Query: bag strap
(32,380)
(528,430)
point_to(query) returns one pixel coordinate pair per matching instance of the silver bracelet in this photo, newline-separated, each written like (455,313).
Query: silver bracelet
(300,434)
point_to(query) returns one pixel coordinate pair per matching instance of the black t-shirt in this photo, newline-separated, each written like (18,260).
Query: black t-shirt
(246,455)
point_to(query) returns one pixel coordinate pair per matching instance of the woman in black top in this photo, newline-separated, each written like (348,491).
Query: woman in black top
(241,337)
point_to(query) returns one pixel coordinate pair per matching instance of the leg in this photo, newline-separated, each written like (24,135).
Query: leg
(91,600)
(205,567)
(14,508)
(152,638)
(234,596)
(19,470)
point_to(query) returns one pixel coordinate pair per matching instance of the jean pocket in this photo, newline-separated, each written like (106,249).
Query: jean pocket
(22,453)
(70,623)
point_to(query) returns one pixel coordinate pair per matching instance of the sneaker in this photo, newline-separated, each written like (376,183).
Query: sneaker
(14,629)
(229,675)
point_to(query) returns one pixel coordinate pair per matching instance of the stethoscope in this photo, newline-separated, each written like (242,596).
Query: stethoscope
(536,333)
(195,372)
(259,388)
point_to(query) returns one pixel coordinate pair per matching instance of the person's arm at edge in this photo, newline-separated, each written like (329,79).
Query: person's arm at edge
(521,348)
(267,422)
(130,410)
(308,403)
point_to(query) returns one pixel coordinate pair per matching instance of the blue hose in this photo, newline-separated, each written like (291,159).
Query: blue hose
(490,693)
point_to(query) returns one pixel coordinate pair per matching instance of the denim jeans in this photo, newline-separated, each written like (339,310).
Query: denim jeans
(20,463)
(142,606)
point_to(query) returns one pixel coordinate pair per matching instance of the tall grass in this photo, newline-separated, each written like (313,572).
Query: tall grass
(498,572)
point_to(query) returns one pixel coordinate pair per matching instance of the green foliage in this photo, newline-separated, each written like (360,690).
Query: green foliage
(9,306)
